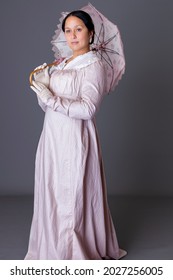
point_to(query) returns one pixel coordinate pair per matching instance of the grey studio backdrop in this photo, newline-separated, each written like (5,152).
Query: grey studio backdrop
(135,122)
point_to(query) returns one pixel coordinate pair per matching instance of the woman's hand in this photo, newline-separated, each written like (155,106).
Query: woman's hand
(42,75)
(42,91)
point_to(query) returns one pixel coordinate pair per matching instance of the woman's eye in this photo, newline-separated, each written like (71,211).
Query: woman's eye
(67,31)
(79,29)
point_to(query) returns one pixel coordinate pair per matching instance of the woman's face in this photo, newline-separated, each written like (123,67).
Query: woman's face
(77,35)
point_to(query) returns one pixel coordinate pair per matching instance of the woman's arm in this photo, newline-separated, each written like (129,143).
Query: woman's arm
(41,104)
(92,92)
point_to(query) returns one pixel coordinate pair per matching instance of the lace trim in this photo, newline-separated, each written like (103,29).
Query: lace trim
(79,62)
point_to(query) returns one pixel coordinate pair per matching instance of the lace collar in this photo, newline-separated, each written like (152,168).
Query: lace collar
(79,62)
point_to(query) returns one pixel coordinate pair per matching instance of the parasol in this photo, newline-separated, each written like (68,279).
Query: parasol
(107,44)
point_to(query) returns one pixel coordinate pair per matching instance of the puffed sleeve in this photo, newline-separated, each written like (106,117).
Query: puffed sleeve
(92,90)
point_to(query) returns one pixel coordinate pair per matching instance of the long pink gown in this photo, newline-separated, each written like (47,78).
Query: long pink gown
(71,219)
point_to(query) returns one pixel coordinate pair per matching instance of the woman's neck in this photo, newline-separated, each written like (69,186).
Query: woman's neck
(76,54)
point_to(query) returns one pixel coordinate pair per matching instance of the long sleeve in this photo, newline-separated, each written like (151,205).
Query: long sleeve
(41,104)
(92,90)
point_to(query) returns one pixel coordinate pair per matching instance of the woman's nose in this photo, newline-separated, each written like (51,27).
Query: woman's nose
(74,34)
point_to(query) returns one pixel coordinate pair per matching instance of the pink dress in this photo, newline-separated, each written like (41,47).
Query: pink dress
(71,219)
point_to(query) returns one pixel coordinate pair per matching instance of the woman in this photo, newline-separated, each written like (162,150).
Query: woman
(71,216)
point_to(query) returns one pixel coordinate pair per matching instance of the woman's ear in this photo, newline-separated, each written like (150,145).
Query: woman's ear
(91,36)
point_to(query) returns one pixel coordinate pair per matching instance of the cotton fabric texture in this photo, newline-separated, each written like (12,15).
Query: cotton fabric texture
(71,219)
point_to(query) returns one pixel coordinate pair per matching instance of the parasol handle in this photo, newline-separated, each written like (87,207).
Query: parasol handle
(36,70)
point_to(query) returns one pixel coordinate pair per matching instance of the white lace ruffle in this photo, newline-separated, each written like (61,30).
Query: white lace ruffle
(79,62)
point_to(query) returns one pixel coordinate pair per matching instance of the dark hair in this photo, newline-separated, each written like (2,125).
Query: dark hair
(85,17)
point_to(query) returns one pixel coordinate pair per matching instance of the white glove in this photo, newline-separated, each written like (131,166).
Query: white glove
(42,76)
(42,91)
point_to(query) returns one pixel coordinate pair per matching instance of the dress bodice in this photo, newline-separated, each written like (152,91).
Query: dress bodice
(66,80)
